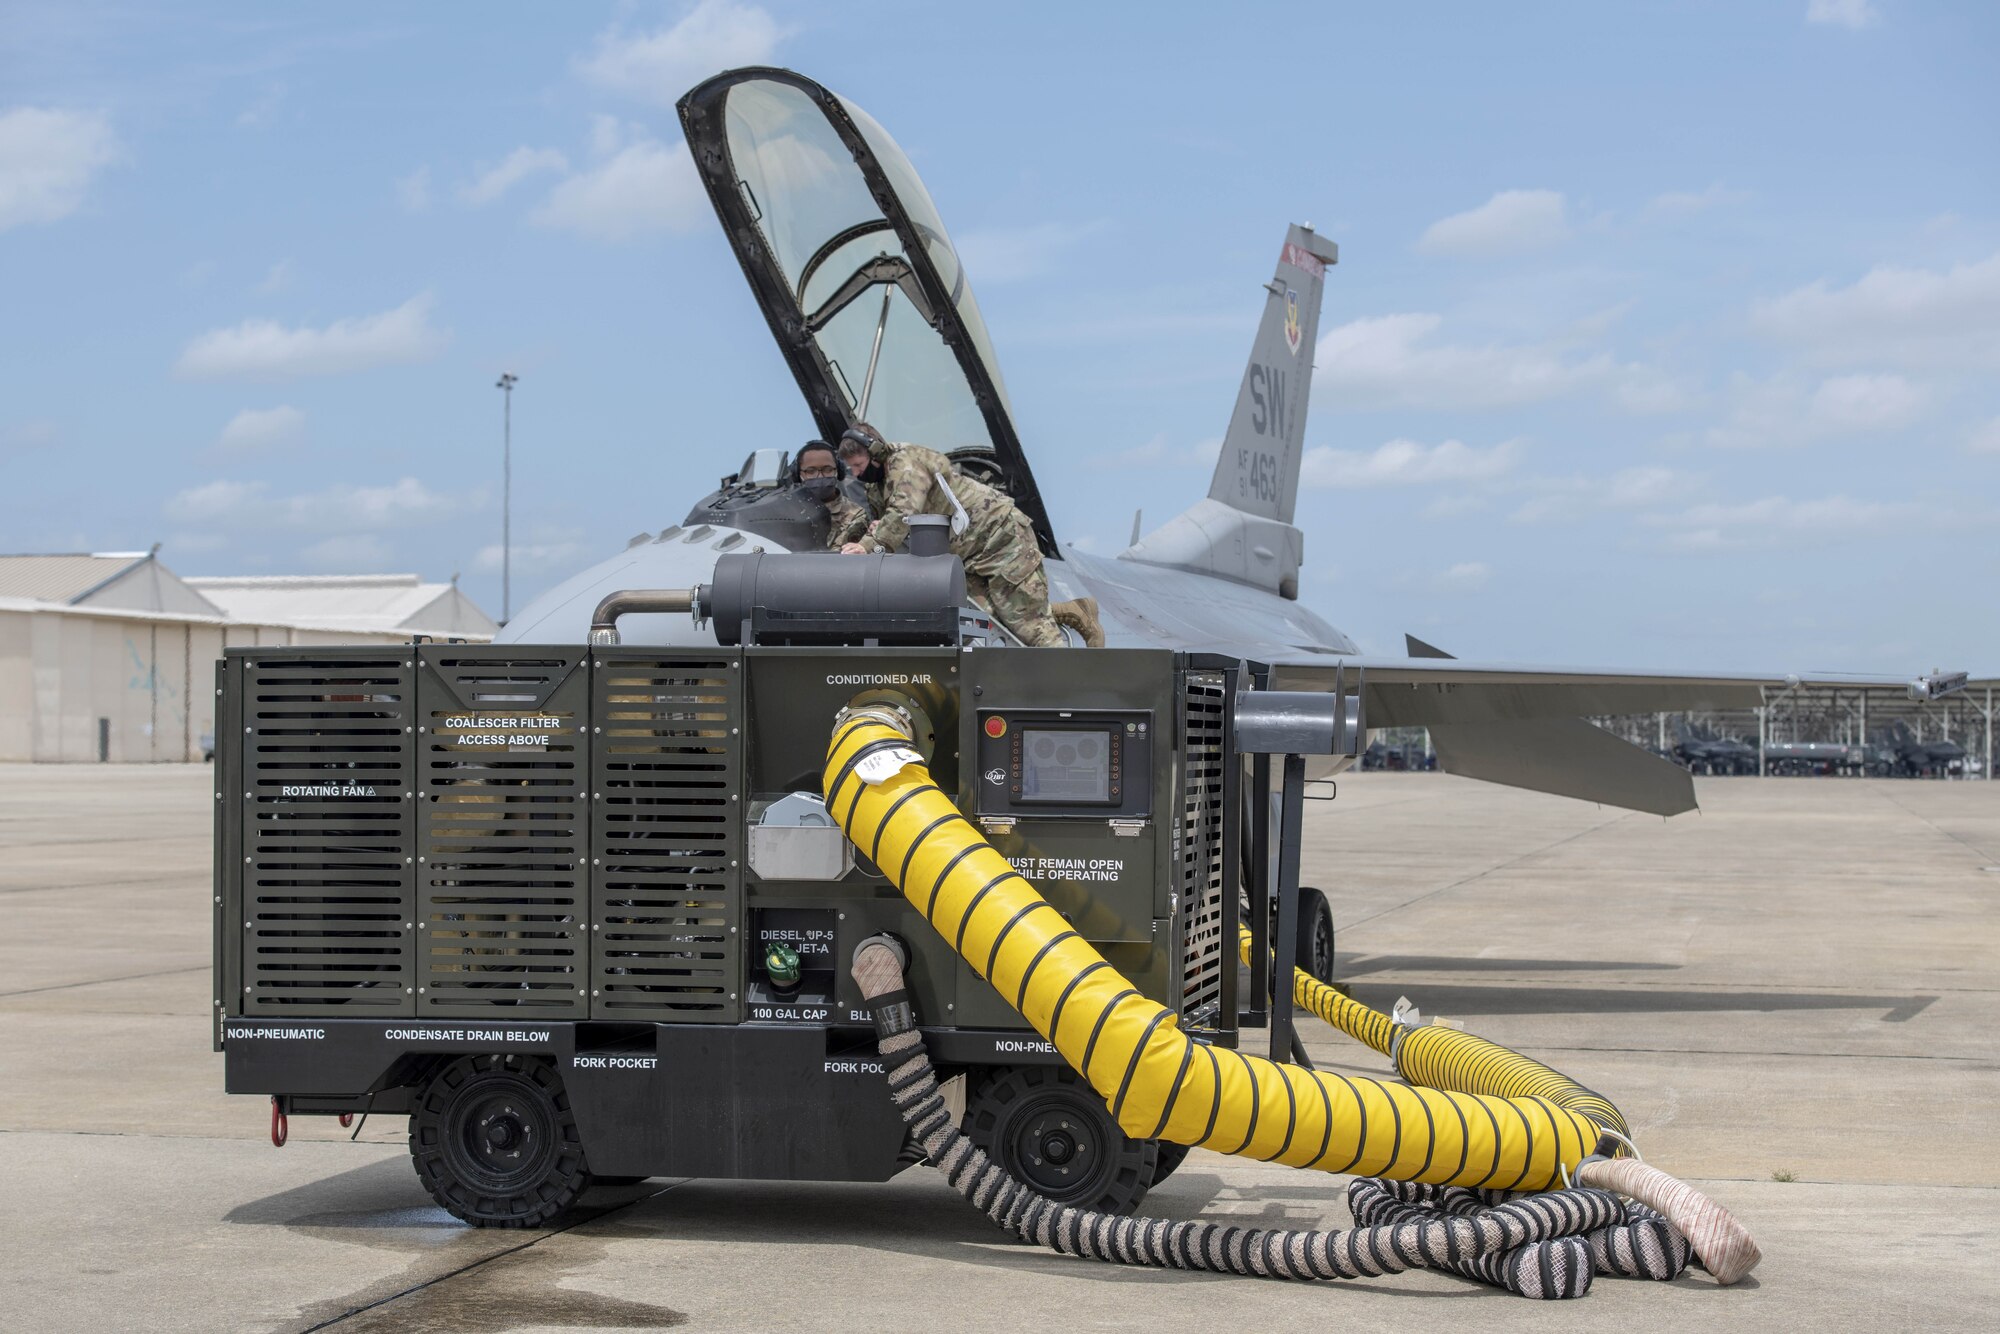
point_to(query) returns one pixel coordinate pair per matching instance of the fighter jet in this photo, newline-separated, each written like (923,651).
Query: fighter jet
(1916,759)
(1703,752)
(874,315)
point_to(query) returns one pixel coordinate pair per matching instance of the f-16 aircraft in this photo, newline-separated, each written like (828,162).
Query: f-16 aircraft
(1914,757)
(1704,752)
(874,315)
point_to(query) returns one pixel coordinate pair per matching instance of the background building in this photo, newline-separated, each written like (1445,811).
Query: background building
(111,656)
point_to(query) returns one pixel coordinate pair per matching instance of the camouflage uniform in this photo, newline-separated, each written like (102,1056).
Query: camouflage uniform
(848,519)
(1003,563)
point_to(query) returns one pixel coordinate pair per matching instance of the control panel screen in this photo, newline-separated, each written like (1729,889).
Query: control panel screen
(1065,766)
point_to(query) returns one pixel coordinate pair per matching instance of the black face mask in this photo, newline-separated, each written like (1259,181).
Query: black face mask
(873,473)
(821,489)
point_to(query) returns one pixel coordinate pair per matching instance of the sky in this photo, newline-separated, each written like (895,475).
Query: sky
(1662,334)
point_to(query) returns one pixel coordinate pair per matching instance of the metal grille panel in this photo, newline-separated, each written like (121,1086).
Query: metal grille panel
(1200,870)
(326,779)
(668,897)
(502,821)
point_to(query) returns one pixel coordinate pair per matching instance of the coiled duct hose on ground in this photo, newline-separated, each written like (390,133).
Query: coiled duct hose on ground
(1655,1245)
(1646,1245)
(1157,1082)
(1530,1246)
(1444,1058)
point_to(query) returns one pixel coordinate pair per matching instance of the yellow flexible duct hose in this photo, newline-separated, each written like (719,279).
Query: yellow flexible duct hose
(1157,1082)
(1446,1059)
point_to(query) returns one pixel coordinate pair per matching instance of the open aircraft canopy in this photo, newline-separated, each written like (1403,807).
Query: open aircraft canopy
(855,274)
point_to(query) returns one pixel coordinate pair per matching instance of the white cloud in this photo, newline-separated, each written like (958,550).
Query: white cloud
(1919,317)
(1160,452)
(267,350)
(261,111)
(1986,439)
(213,501)
(1647,390)
(35,433)
(1776,521)
(413,191)
(1509,222)
(263,429)
(1853,403)
(355,553)
(1683,203)
(1459,579)
(1856,14)
(342,508)
(1005,255)
(1452,507)
(645,186)
(1783,411)
(516,167)
(1406,463)
(659,66)
(276,278)
(1083,325)
(1567,498)
(530,556)
(48,159)
(1392,361)
(178,544)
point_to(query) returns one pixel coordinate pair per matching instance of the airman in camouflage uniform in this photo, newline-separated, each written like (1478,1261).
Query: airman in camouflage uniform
(1003,563)
(848,517)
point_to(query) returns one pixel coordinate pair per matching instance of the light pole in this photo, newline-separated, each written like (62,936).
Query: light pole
(505,385)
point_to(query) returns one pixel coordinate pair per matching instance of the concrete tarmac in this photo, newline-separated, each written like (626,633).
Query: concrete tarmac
(1793,996)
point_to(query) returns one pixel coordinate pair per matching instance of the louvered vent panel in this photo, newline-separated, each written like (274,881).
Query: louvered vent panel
(1201,844)
(669,891)
(502,822)
(326,778)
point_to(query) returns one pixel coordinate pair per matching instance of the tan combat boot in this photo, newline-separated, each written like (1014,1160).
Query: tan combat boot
(1080,615)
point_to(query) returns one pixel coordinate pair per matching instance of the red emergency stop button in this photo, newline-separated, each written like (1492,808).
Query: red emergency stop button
(996,727)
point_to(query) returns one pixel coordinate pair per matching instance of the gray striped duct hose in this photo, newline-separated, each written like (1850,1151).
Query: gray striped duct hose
(1536,1246)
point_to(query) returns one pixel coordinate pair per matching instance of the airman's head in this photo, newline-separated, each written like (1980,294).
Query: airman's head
(861,444)
(816,462)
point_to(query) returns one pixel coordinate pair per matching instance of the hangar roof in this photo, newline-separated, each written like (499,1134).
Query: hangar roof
(379,603)
(125,580)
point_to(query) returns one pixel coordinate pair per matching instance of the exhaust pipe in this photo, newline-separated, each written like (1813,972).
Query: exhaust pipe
(604,621)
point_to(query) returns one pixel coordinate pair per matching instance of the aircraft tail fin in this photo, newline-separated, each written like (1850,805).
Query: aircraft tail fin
(1243,530)
(1258,471)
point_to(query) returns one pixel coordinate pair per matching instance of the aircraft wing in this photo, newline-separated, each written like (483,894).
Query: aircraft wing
(1426,691)
(1524,726)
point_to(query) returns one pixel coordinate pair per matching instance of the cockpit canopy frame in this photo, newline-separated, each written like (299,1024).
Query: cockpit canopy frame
(799,316)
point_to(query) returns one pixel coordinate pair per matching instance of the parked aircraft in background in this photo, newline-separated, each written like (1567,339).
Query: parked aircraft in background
(1704,752)
(1923,758)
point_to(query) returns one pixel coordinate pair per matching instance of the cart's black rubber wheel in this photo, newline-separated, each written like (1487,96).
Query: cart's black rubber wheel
(1170,1157)
(1049,1130)
(1315,934)
(494,1142)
